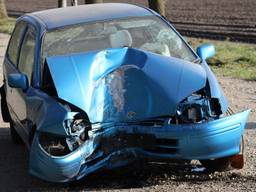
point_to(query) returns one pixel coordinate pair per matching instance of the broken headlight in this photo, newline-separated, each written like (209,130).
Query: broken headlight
(194,109)
(57,145)
(54,145)
(78,132)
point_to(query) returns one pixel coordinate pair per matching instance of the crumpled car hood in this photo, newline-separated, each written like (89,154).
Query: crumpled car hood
(124,84)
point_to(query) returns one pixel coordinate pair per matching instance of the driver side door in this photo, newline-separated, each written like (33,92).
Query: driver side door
(26,62)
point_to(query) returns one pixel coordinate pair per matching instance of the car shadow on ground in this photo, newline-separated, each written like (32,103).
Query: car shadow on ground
(14,160)
(251,125)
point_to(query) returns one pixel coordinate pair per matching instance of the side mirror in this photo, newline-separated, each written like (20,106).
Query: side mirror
(18,80)
(206,51)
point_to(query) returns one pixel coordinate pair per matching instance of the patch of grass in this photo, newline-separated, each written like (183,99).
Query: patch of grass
(7,25)
(232,59)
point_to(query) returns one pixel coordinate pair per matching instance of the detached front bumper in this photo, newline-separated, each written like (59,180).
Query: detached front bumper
(119,145)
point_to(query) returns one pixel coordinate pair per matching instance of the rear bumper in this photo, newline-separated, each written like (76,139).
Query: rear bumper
(119,145)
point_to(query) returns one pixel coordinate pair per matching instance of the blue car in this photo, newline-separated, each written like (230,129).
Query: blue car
(100,86)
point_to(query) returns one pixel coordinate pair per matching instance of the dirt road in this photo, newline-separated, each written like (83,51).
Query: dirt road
(241,94)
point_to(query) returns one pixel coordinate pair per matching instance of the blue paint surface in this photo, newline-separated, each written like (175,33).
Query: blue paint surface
(111,84)
(213,139)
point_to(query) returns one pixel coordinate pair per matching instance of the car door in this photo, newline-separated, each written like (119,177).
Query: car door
(11,62)
(26,62)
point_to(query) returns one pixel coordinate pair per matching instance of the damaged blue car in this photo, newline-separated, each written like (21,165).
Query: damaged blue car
(100,86)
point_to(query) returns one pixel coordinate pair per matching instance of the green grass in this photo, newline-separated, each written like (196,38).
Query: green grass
(232,59)
(7,25)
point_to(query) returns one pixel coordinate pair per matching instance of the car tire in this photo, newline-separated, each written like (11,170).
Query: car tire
(14,135)
(221,164)
(4,109)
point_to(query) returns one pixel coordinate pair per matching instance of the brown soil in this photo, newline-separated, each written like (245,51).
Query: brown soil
(234,19)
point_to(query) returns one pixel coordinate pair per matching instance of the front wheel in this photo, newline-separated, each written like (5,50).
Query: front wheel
(14,135)
(4,109)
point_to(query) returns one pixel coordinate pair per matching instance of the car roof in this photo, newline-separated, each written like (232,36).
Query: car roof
(60,17)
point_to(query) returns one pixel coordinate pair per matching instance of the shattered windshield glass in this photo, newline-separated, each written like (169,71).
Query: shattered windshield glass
(145,33)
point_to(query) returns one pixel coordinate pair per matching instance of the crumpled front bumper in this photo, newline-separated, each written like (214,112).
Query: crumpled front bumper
(118,145)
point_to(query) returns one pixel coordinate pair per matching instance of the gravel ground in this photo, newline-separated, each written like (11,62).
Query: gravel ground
(151,177)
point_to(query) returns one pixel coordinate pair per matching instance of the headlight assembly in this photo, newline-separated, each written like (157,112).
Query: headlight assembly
(77,133)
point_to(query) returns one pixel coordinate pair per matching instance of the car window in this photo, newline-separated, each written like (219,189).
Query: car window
(27,54)
(146,33)
(15,42)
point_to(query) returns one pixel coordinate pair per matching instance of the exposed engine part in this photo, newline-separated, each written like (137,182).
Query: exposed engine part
(77,128)
(197,108)
(53,145)
(78,132)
